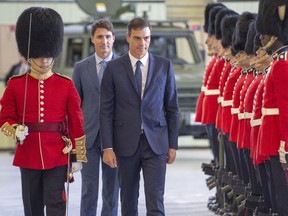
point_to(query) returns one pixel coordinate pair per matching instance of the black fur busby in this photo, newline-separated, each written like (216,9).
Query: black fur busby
(279,2)
(227,28)
(241,30)
(212,17)
(46,33)
(219,16)
(206,14)
(268,21)
(249,45)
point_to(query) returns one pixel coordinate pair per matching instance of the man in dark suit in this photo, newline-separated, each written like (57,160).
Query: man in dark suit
(139,120)
(87,78)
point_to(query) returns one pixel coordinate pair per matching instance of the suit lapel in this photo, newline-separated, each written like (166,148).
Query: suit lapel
(128,68)
(151,72)
(92,71)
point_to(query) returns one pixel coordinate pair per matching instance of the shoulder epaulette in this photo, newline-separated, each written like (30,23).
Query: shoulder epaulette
(17,76)
(63,76)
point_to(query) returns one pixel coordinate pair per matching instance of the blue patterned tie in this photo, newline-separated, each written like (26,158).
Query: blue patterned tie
(138,76)
(102,68)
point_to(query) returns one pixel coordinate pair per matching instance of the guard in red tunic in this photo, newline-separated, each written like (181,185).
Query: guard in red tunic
(41,112)
(255,92)
(228,26)
(272,24)
(211,92)
(238,48)
(211,52)
(220,34)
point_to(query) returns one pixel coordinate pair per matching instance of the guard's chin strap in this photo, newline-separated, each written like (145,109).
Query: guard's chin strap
(40,73)
(38,70)
(270,42)
(282,11)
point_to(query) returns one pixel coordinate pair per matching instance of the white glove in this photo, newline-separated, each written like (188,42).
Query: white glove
(76,166)
(282,153)
(21,133)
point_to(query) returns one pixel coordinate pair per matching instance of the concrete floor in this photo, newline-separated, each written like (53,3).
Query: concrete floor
(186,192)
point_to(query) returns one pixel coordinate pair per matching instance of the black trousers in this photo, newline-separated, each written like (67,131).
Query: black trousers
(280,187)
(229,158)
(266,185)
(44,188)
(213,140)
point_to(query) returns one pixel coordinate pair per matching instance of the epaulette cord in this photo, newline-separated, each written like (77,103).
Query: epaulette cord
(17,76)
(64,76)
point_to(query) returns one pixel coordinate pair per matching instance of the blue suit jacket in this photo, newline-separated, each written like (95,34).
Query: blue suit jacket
(122,110)
(86,82)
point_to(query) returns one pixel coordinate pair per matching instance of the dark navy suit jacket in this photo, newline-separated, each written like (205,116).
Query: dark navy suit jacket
(122,110)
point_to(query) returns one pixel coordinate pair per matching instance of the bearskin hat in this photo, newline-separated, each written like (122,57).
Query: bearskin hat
(219,17)
(268,21)
(206,13)
(212,17)
(241,30)
(249,45)
(279,2)
(227,28)
(46,33)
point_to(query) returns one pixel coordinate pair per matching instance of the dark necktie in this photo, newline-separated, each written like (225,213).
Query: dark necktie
(102,68)
(138,76)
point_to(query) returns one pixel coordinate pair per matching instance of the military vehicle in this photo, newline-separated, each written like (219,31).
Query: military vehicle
(172,39)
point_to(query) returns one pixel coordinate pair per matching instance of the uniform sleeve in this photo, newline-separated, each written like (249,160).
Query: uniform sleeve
(75,125)
(8,106)
(280,80)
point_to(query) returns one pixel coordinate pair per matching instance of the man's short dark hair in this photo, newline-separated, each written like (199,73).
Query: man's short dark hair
(102,23)
(138,23)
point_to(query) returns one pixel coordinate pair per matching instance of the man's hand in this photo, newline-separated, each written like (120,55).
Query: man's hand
(21,133)
(76,166)
(171,156)
(109,158)
(283,155)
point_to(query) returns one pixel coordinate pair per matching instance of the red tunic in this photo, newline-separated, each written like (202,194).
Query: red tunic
(241,117)
(198,113)
(255,124)
(49,100)
(235,106)
(211,94)
(274,127)
(223,78)
(248,110)
(227,99)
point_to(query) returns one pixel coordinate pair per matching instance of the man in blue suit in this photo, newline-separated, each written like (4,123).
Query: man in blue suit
(139,120)
(87,78)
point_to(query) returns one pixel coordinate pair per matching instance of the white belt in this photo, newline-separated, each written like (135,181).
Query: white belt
(240,116)
(212,92)
(255,122)
(220,99)
(203,88)
(225,103)
(248,115)
(234,111)
(270,111)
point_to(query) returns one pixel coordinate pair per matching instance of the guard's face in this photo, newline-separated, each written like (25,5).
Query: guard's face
(243,60)
(103,41)
(139,41)
(264,39)
(43,62)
